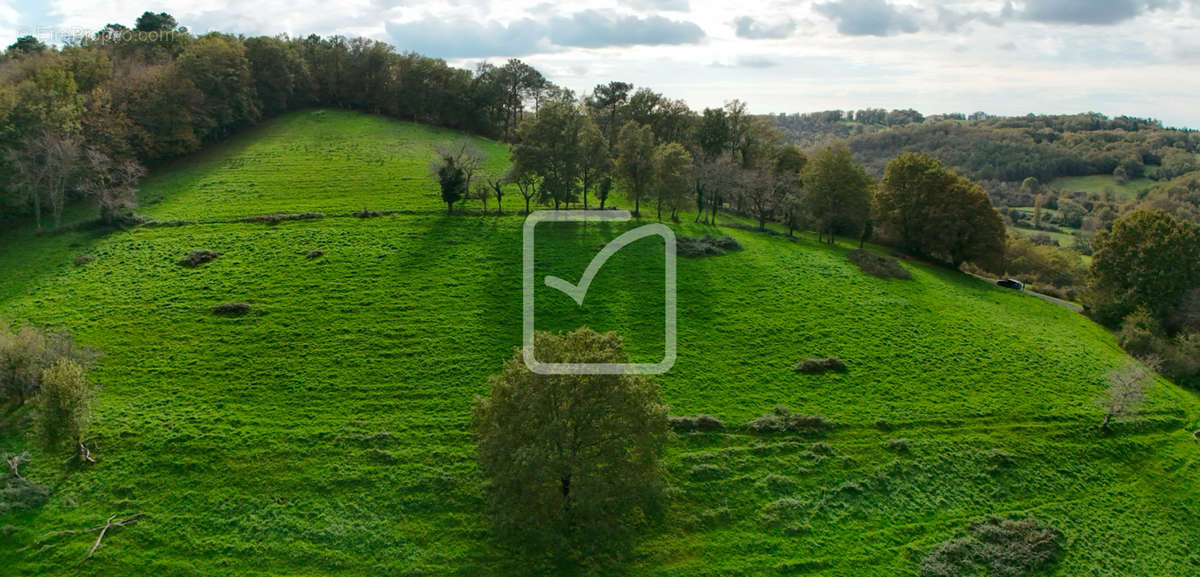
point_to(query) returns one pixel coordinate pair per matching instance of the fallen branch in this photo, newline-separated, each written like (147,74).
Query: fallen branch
(109,523)
(85,453)
(1196,434)
(14,463)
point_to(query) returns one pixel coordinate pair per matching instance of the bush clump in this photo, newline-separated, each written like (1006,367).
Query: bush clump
(198,257)
(698,423)
(316,254)
(364,213)
(820,365)
(277,218)
(782,420)
(706,245)
(17,493)
(897,445)
(84,259)
(880,266)
(998,547)
(231,309)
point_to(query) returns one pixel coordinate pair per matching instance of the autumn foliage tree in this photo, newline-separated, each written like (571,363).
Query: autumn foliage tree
(572,462)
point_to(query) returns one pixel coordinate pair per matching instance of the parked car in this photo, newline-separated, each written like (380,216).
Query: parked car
(1011,283)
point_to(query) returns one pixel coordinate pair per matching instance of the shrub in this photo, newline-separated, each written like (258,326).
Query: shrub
(364,213)
(316,254)
(778,484)
(883,425)
(84,259)
(1001,548)
(165,223)
(897,445)
(876,265)
(65,405)
(698,423)
(706,245)
(17,493)
(280,217)
(1140,334)
(199,257)
(706,472)
(231,309)
(814,366)
(783,420)
(27,353)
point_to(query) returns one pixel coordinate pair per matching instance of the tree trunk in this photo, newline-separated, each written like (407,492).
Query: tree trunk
(566,493)
(526,205)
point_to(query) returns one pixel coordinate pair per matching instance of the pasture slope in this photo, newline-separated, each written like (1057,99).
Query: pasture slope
(326,432)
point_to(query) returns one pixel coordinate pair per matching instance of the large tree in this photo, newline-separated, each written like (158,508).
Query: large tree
(673,178)
(572,462)
(548,146)
(635,161)
(934,213)
(837,192)
(595,164)
(608,102)
(216,64)
(1150,259)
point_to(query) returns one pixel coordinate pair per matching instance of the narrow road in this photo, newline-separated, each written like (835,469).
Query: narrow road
(1047,298)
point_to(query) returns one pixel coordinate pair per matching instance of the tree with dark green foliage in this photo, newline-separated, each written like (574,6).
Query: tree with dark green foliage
(837,192)
(151,22)
(608,101)
(712,132)
(603,188)
(452,180)
(572,462)
(934,213)
(595,164)
(672,178)
(1150,259)
(26,45)
(281,77)
(216,64)
(548,147)
(635,161)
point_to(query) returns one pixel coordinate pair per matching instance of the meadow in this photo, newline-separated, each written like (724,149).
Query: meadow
(327,431)
(1102,184)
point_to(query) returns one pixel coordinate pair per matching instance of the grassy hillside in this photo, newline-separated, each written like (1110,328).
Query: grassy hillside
(327,431)
(1101,184)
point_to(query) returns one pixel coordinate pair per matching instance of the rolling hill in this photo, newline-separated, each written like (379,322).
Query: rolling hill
(327,432)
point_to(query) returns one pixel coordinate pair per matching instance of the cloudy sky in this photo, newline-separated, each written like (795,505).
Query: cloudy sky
(1136,57)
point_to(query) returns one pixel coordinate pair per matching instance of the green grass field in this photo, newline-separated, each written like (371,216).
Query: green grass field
(326,433)
(1100,184)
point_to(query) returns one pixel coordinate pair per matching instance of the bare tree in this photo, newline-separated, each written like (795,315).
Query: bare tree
(526,181)
(496,184)
(62,156)
(482,192)
(1126,391)
(111,184)
(45,165)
